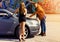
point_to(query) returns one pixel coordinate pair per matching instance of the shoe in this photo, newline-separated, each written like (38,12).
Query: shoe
(23,40)
(41,33)
(20,40)
(44,34)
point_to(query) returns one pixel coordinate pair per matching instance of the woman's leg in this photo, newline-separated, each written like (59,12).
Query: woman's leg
(22,30)
(20,33)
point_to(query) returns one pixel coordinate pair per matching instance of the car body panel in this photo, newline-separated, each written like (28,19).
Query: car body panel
(8,24)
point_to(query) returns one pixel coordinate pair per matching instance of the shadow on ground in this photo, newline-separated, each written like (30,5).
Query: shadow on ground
(11,38)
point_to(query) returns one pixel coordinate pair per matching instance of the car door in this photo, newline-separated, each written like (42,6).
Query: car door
(5,23)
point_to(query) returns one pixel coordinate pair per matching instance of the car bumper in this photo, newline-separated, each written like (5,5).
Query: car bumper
(34,30)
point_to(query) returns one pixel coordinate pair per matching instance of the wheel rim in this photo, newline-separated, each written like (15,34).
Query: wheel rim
(26,33)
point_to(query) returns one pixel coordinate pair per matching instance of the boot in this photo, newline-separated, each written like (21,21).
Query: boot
(21,38)
(43,34)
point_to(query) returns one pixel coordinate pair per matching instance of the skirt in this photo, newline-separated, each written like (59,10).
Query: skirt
(22,19)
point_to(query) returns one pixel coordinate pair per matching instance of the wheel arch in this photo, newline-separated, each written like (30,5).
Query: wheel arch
(28,29)
(25,26)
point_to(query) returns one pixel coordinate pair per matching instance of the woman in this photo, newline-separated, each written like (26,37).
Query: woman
(22,19)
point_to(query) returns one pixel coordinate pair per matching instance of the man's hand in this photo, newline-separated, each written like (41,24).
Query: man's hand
(28,17)
(37,19)
(32,2)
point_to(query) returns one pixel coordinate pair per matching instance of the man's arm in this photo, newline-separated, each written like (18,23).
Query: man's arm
(33,14)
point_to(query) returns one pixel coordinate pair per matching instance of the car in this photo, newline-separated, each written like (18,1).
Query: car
(9,24)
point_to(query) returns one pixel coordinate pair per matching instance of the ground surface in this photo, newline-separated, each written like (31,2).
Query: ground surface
(53,31)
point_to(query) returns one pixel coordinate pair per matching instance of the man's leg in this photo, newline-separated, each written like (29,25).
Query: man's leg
(43,28)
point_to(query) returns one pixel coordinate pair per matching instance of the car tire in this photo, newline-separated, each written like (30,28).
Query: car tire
(26,34)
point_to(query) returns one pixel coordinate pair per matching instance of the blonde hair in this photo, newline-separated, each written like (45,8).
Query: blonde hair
(22,7)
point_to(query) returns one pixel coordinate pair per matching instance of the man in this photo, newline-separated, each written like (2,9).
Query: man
(41,15)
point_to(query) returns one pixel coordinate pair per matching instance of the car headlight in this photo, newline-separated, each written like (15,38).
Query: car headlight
(32,22)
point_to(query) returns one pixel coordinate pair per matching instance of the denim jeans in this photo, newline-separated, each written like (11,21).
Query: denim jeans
(43,25)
